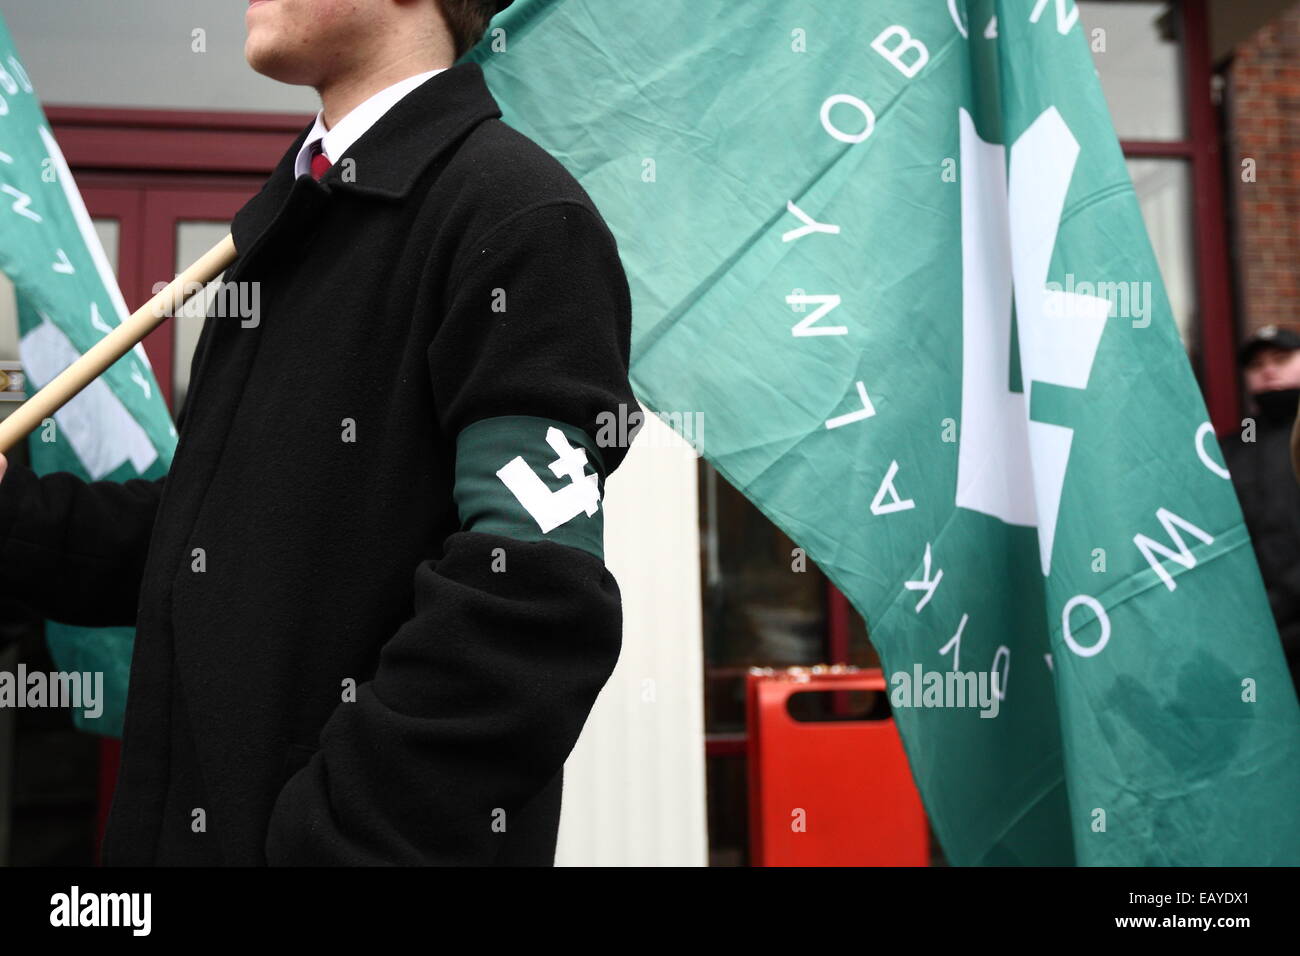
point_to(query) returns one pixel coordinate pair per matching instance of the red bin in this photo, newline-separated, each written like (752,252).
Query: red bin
(828,793)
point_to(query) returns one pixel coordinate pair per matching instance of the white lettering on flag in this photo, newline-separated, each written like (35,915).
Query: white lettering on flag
(895,55)
(1064,20)
(895,503)
(22,202)
(1183,555)
(1001,674)
(927,584)
(956,19)
(955,643)
(866,411)
(97,320)
(1067,632)
(88,235)
(1201,433)
(804,326)
(809,224)
(857,104)
(142,380)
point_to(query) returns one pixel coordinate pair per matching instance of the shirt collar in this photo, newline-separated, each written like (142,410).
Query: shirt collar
(432,120)
(336,140)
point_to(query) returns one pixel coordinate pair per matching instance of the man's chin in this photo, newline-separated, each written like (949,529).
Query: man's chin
(273,64)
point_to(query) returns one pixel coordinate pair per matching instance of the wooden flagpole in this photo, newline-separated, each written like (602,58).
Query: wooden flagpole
(117,343)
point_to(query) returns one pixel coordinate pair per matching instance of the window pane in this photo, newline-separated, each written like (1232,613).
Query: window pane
(728,798)
(108,231)
(759,611)
(8,320)
(862,653)
(1137,49)
(1164,192)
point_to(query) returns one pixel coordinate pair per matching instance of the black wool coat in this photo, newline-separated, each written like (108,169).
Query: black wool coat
(349,650)
(1265,483)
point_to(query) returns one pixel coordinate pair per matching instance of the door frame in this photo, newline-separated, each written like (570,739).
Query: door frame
(151,169)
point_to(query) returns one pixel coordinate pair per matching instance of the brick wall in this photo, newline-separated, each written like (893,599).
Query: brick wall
(1264,125)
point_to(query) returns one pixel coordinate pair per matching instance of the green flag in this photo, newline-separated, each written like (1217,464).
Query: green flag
(68,299)
(892,253)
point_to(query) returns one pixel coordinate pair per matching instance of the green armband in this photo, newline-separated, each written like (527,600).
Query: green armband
(533,479)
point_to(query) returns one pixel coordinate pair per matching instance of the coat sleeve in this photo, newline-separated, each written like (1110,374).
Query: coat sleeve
(74,550)
(481,695)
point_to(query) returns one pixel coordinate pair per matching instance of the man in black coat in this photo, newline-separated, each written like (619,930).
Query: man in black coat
(1259,459)
(371,605)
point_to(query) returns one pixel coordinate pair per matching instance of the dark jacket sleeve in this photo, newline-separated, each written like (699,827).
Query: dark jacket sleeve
(74,550)
(481,695)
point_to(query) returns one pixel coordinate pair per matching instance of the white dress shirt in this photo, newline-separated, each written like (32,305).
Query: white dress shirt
(336,140)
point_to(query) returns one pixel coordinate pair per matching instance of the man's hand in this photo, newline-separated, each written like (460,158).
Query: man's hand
(4,463)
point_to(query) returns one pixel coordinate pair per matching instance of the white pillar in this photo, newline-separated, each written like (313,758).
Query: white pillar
(634,786)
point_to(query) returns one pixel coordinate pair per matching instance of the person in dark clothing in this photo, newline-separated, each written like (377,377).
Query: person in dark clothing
(372,612)
(1259,459)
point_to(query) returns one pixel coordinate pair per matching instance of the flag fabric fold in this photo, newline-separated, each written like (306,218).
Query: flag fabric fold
(67,300)
(893,254)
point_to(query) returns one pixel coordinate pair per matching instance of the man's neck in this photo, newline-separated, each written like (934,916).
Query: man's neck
(342,94)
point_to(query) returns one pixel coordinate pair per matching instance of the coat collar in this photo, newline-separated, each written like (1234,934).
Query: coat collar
(389,157)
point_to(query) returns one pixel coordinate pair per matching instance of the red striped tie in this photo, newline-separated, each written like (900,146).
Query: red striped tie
(320,163)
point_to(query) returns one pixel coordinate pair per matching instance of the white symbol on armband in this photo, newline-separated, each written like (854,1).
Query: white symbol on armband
(550,509)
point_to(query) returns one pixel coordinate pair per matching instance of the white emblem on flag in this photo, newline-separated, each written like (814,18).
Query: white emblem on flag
(97,426)
(1008,465)
(550,509)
